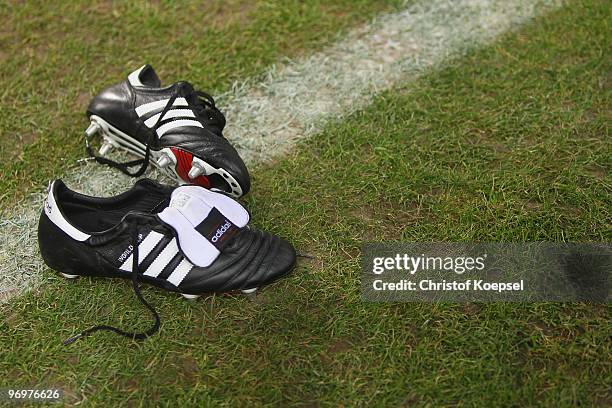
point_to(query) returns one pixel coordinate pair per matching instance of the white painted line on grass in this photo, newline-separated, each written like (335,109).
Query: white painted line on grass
(294,100)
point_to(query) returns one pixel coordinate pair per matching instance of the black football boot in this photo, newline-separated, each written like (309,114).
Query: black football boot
(188,240)
(175,127)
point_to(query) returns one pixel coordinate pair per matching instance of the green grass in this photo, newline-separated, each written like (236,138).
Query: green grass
(55,55)
(510,143)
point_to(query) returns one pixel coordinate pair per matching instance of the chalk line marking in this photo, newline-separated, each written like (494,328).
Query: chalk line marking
(294,100)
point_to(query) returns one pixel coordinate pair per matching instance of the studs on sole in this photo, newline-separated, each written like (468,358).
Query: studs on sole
(68,276)
(164,161)
(196,170)
(105,148)
(249,291)
(92,129)
(200,168)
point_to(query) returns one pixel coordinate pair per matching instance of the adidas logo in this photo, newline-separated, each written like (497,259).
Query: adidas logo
(220,231)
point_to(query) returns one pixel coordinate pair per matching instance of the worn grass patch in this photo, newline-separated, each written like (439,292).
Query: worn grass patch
(510,143)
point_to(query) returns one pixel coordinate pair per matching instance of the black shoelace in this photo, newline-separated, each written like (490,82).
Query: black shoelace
(201,102)
(136,286)
(204,105)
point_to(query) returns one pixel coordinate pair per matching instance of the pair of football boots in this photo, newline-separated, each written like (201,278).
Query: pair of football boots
(191,239)
(176,128)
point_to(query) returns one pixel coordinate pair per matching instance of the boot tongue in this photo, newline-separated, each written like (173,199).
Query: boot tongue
(187,91)
(204,221)
(144,76)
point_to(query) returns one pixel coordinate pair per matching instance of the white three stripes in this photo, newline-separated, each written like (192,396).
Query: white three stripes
(172,113)
(164,257)
(177,123)
(151,106)
(161,261)
(144,248)
(180,272)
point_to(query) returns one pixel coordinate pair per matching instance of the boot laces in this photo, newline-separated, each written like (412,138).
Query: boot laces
(136,287)
(204,106)
(201,102)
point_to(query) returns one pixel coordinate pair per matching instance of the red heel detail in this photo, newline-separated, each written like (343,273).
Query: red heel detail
(183,165)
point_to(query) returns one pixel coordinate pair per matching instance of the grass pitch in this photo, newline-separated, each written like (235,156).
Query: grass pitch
(55,56)
(510,143)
